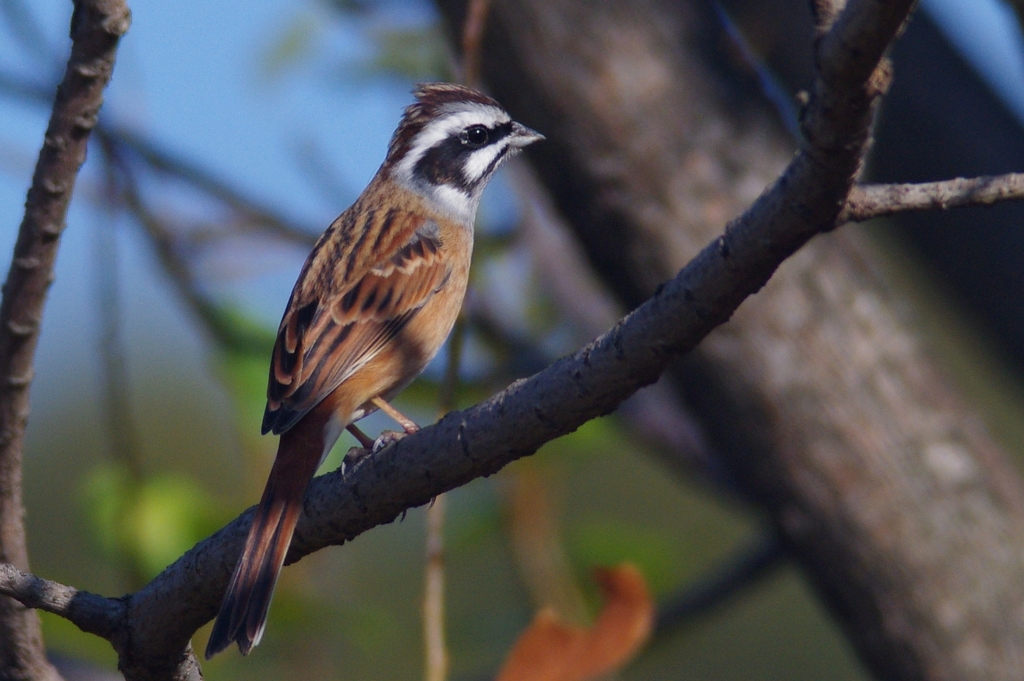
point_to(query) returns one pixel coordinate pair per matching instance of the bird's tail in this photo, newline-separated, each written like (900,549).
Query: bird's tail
(243,613)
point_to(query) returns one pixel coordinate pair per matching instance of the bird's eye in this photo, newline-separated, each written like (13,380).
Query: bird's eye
(475,136)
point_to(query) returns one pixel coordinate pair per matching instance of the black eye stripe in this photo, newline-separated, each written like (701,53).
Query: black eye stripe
(443,163)
(495,133)
(500,132)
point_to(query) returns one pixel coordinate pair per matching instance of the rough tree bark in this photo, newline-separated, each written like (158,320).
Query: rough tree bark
(96,28)
(828,411)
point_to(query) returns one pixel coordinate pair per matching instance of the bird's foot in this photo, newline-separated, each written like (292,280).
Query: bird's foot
(353,456)
(386,439)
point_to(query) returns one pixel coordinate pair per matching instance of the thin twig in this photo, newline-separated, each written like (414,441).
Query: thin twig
(117,400)
(434,640)
(166,161)
(174,260)
(878,200)
(472,39)
(446,397)
(96,28)
(435,647)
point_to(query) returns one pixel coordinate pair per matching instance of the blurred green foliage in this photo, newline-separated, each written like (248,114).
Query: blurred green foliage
(417,54)
(291,46)
(150,522)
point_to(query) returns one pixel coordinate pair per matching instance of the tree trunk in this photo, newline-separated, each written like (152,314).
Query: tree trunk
(826,410)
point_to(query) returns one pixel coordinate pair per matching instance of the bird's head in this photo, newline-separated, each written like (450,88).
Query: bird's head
(450,143)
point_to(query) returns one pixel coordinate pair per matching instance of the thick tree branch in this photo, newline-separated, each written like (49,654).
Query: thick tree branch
(96,28)
(879,200)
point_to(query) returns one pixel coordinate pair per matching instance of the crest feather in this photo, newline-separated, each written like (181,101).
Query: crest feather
(432,99)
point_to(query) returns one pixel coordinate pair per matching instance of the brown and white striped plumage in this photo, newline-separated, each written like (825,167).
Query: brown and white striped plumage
(373,304)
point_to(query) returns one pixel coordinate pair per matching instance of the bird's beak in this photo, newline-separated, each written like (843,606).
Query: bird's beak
(522,135)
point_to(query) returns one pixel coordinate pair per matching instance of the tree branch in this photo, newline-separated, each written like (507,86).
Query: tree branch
(90,613)
(879,200)
(96,28)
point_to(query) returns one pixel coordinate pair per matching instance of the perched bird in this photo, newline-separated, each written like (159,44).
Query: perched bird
(373,304)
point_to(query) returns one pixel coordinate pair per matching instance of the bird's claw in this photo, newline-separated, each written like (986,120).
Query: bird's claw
(353,456)
(386,439)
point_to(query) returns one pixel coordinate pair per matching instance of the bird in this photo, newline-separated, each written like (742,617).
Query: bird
(373,304)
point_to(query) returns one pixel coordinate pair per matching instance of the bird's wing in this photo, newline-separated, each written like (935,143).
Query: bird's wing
(347,306)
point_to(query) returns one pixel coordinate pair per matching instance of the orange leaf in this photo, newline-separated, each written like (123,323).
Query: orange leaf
(550,650)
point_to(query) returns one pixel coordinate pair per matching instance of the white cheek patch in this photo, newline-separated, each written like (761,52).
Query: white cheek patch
(446,125)
(480,160)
